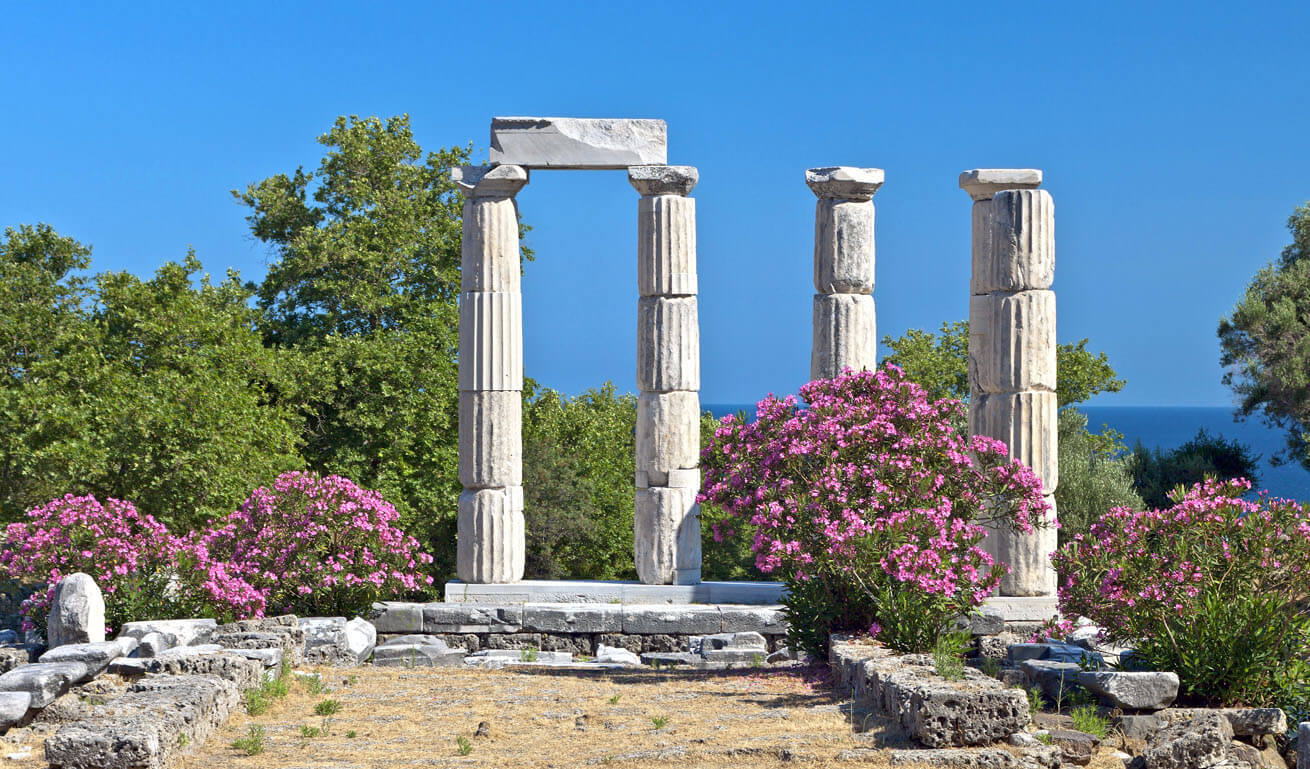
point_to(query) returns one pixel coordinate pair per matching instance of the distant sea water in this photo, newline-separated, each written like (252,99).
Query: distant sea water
(1169,427)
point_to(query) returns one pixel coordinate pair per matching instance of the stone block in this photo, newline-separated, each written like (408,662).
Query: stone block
(11,657)
(561,142)
(13,709)
(616,655)
(663,180)
(397,617)
(1018,253)
(490,537)
(1076,748)
(940,713)
(43,681)
(987,621)
(690,619)
(361,637)
(984,183)
(1058,680)
(766,620)
(844,182)
(573,618)
(845,335)
(1139,726)
(668,435)
(668,344)
(1201,742)
(176,632)
(1245,722)
(666,246)
(491,340)
(502,181)
(192,661)
(666,534)
(1132,691)
(1012,341)
(77,613)
(95,656)
(127,667)
(471,618)
(843,247)
(427,655)
(269,658)
(1027,422)
(490,439)
(325,639)
(490,257)
(512,656)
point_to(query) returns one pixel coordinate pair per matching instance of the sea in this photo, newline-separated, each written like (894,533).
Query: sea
(1168,427)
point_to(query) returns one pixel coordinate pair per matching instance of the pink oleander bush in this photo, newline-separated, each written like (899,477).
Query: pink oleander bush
(141,568)
(1214,588)
(313,546)
(869,506)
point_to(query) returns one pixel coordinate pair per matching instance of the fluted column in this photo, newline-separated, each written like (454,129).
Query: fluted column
(1012,343)
(666,537)
(845,327)
(490,544)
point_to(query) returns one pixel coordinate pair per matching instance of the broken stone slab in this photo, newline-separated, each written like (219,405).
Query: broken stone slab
(361,637)
(573,618)
(1036,757)
(43,681)
(616,655)
(744,641)
(1139,726)
(13,709)
(984,183)
(269,658)
(417,651)
(471,618)
(670,658)
(1132,691)
(1075,747)
(1054,651)
(150,644)
(176,632)
(987,621)
(1204,741)
(146,727)
(245,673)
(1057,680)
(128,667)
(578,143)
(521,655)
(95,656)
(77,612)
(397,617)
(1245,722)
(325,638)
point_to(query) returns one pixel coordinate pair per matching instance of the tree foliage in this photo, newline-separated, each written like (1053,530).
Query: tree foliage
(1094,476)
(1156,472)
(1265,343)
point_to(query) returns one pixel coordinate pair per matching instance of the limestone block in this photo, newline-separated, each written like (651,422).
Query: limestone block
(175,632)
(845,335)
(844,182)
(491,439)
(1019,252)
(984,183)
(13,708)
(96,656)
(361,637)
(555,142)
(77,614)
(667,534)
(1012,341)
(502,181)
(1027,423)
(44,681)
(668,434)
(685,619)
(1057,679)
(490,543)
(666,246)
(397,617)
(668,344)
(663,180)
(1028,556)
(489,249)
(471,618)
(491,340)
(1132,690)
(1203,741)
(843,246)
(573,618)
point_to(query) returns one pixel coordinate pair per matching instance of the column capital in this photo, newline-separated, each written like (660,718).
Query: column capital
(489,181)
(844,182)
(984,183)
(663,180)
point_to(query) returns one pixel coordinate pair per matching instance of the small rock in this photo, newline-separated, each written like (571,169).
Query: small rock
(1122,756)
(484,729)
(361,638)
(1021,739)
(580,723)
(21,755)
(614,654)
(77,613)
(1075,747)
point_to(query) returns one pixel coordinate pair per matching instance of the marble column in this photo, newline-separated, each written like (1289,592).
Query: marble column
(490,545)
(845,329)
(666,539)
(1012,344)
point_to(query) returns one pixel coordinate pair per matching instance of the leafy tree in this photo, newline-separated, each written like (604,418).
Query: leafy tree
(1093,475)
(1265,343)
(156,391)
(1156,473)
(361,299)
(578,469)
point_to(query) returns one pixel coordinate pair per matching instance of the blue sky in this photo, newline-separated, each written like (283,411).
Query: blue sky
(1172,136)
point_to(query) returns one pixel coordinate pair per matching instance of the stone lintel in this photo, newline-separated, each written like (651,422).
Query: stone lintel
(984,183)
(663,180)
(578,143)
(503,181)
(844,182)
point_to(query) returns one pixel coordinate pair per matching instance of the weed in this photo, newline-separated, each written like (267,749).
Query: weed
(465,747)
(309,732)
(660,722)
(1043,737)
(948,656)
(183,740)
(256,701)
(327,708)
(354,679)
(614,700)
(991,666)
(528,655)
(352,734)
(313,684)
(275,687)
(757,660)
(1035,700)
(1086,719)
(253,743)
